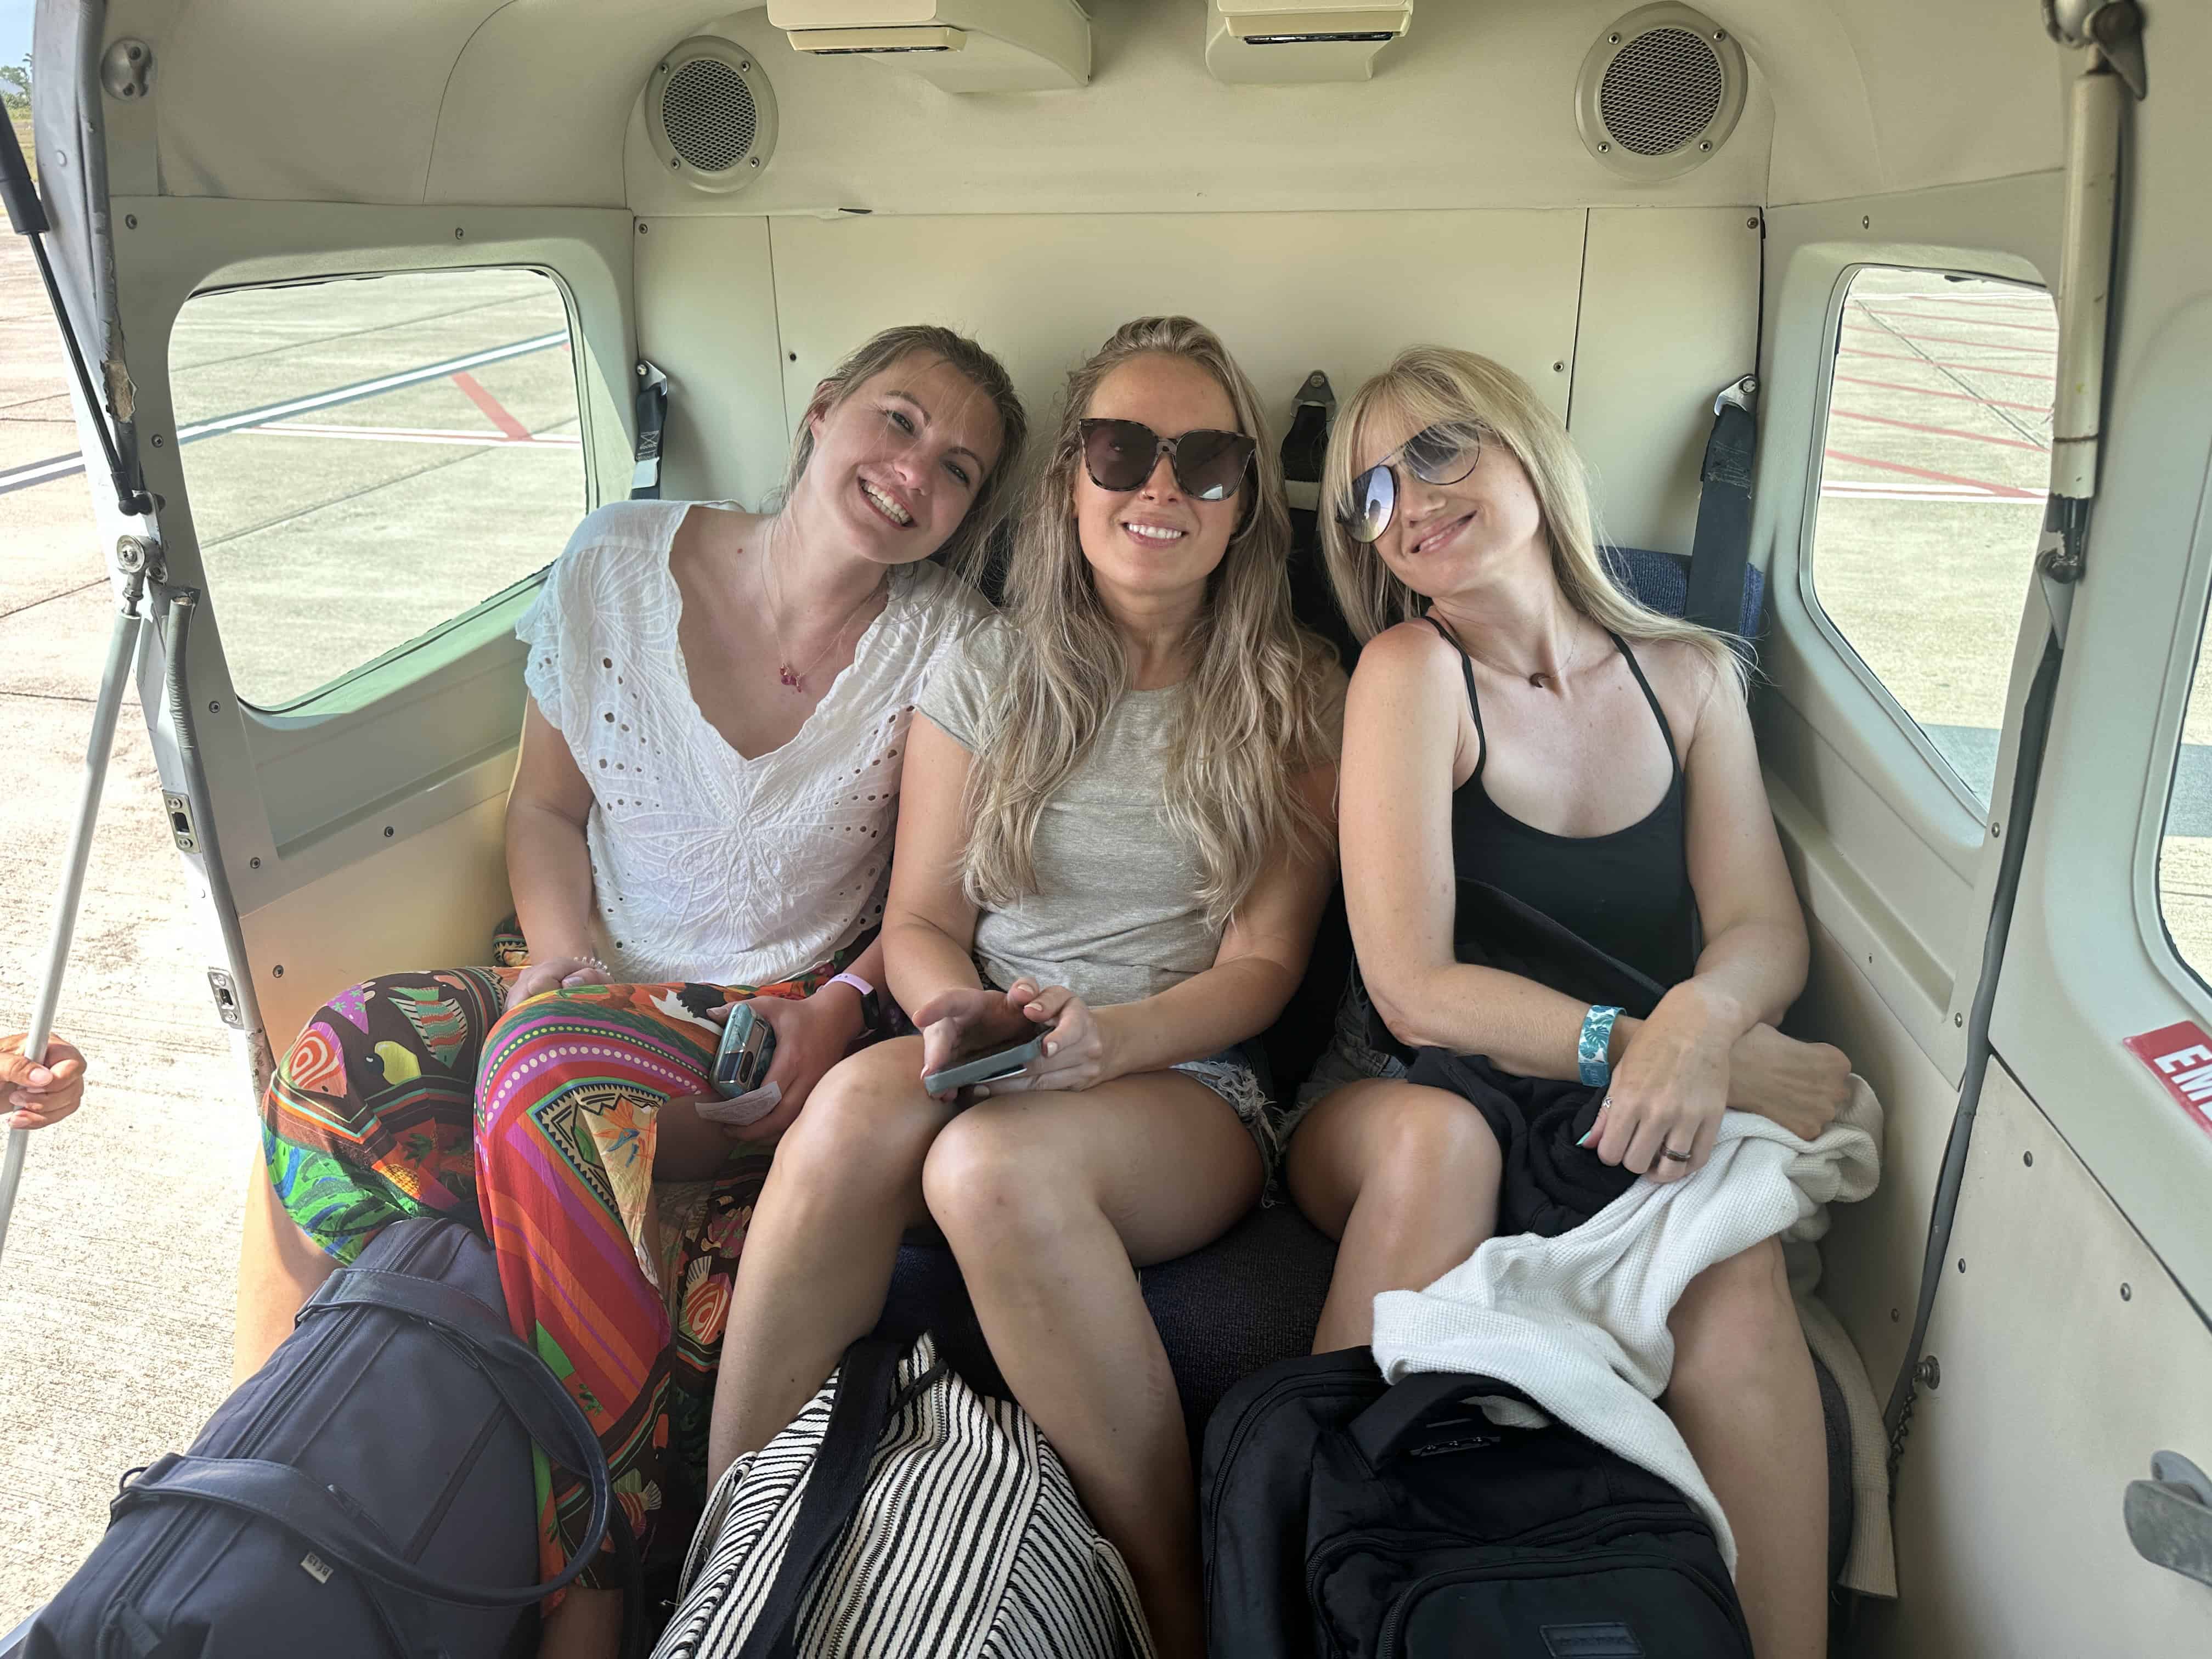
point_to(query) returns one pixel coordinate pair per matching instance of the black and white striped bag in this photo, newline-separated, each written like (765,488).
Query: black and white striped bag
(902,1515)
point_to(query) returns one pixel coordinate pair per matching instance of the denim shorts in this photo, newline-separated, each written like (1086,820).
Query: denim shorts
(1351,1057)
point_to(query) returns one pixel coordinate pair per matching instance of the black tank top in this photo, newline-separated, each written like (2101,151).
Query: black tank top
(1628,893)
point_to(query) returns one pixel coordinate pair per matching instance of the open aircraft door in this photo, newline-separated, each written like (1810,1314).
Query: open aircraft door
(1919,607)
(364,430)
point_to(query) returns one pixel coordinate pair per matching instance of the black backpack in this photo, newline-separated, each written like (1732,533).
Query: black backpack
(1344,1519)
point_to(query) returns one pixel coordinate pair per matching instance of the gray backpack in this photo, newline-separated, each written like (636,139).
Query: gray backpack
(902,1514)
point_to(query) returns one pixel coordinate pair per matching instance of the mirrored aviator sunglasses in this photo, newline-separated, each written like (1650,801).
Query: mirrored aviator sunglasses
(1442,454)
(1209,465)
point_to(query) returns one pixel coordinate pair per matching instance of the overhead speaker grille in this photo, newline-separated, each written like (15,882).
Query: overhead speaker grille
(711,113)
(1660,91)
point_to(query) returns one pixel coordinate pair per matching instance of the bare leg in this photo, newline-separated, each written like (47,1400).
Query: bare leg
(1744,1396)
(847,1182)
(278,1269)
(587,1625)
(1048,1199)
(1406,1179)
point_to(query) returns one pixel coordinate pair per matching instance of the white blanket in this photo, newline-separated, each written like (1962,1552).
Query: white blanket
(1579,1322)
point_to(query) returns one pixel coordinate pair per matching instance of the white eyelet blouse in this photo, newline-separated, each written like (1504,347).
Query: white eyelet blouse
(706,866)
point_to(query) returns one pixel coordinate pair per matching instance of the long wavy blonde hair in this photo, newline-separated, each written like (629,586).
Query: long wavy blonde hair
(1252,708)
(1432,386)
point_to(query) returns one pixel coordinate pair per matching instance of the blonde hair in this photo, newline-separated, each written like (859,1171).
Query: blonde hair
(1251,712)
(1430,386)
(967,548)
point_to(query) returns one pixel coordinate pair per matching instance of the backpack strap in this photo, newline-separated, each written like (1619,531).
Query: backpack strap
(1392,1423)
(857,1412)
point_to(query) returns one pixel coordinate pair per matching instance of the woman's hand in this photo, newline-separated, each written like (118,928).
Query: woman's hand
(1802,1086)
(812,1034)
(966,1020)
(1076,1051)
(41,1093)
(1669,1088)
(554,974)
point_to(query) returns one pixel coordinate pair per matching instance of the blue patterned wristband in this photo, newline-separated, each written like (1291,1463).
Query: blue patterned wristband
(1590,1061)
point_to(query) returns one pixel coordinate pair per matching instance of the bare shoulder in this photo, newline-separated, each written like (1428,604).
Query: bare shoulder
(1409,654)
(708,534)
(1692,686)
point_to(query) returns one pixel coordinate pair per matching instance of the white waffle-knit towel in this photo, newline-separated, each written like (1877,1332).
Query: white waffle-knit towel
(1579,1322)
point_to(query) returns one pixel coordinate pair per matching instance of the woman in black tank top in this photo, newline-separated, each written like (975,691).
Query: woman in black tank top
(1547,788)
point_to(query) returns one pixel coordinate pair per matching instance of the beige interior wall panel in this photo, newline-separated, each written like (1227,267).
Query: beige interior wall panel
(1291,293)
(2057,1387)
(707,316)
(1473,107)
(1669,315)
(1870,1260)
(369,917)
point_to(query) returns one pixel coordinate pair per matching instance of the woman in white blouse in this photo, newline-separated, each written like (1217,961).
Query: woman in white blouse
(702,814)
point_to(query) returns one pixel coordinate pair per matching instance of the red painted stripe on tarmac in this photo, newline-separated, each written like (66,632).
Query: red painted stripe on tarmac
(1930,392)
(2048,353)
(492,409)
(1950,339)
(1994,301)
(2007,492)
(1853,354)
(1941,431)
(1945,316)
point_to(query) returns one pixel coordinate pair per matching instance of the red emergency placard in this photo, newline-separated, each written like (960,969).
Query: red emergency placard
(2181,1057)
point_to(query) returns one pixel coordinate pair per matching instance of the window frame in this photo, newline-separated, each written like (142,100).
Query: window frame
(342,693)
(1977,810)
(2170,735)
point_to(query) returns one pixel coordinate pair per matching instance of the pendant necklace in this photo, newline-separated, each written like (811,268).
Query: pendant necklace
(796,678)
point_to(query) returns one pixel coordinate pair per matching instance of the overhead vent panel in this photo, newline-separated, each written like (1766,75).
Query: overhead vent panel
(961,46)
(1293,42)
(1660,91)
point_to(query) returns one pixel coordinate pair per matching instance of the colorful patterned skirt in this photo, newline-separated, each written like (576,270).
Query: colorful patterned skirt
(620,1286)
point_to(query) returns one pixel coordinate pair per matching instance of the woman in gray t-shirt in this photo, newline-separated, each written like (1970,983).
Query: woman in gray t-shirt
(1115,826)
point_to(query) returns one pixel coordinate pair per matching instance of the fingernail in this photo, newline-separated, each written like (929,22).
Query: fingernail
(40,1077)
(1052,1047)
(1034,1009)
(1585,1141)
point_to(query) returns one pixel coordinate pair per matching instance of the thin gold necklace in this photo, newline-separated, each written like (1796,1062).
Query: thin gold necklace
(796,678)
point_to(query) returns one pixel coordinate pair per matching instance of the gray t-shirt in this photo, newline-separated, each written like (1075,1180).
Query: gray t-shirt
(1114,917)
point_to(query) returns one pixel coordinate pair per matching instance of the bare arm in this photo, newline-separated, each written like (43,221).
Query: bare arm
(548,866)
(1254,973)
(1402,740)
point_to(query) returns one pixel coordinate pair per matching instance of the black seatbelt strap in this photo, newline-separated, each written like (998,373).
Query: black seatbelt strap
(651,417)
(1722,548)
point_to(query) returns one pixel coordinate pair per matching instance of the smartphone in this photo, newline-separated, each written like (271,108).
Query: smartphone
(748,1049)
(987,1067)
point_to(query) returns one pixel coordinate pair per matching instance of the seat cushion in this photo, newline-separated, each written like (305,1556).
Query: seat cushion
(1249,1299)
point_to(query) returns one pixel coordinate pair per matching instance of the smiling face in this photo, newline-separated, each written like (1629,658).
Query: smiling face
(899,462)
(1445,540)
(1157,542)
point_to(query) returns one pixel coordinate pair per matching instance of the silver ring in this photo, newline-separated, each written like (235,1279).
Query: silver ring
(1678,1158)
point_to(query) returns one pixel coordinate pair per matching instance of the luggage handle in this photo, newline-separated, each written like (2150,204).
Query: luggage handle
(278,1493)
(548,1415)
(857,1412)
(1384,1430)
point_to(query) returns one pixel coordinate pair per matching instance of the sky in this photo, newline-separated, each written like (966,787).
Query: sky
(14,30)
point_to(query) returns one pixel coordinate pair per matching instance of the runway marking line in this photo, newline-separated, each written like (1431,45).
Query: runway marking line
(1931,391)
(2001,492)
(1856,355)
(495,411)
(1951,339)
(1971,322)
(1941,431)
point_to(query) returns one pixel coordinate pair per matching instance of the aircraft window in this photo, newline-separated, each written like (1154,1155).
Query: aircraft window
(2184,855)
(371,458)
(1934,468)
